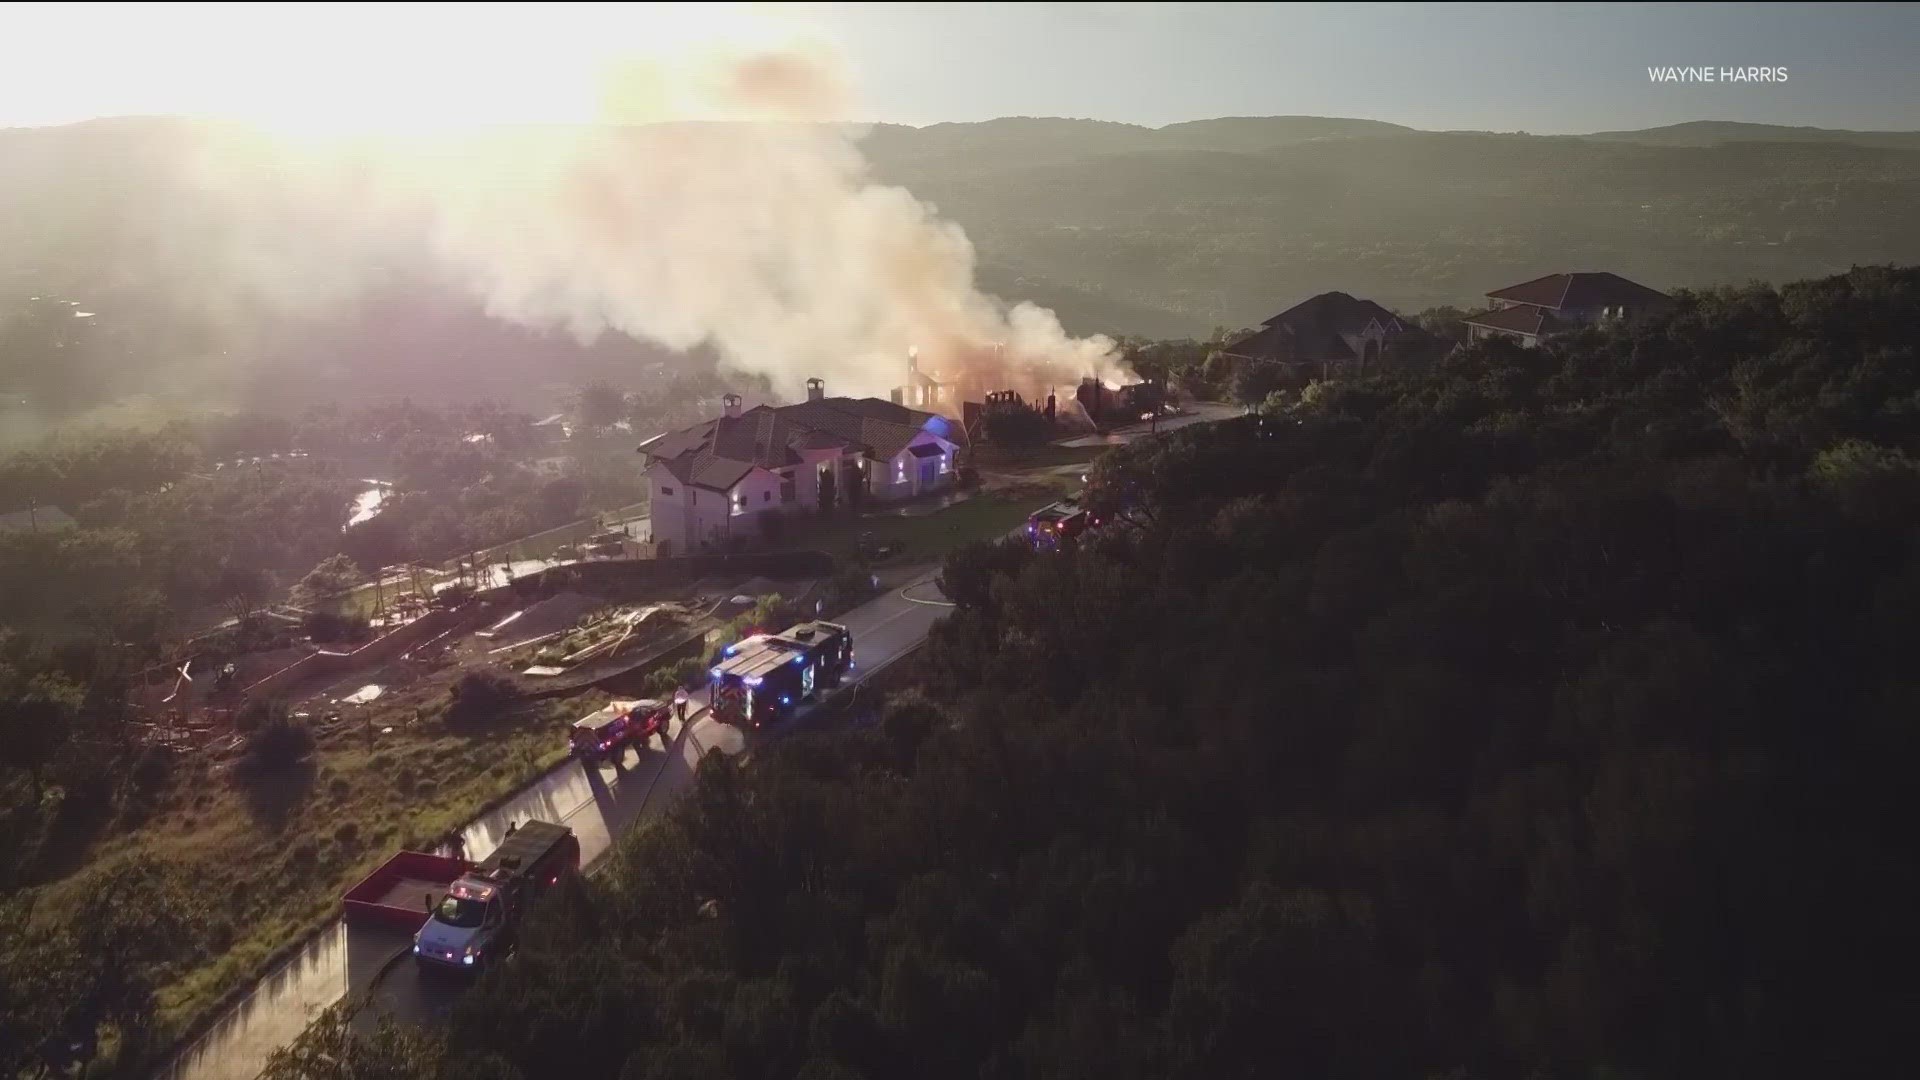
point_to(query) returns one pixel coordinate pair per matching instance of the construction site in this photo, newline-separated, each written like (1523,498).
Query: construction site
(556,629)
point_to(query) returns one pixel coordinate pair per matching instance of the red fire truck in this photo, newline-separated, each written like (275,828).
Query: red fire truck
(767,677)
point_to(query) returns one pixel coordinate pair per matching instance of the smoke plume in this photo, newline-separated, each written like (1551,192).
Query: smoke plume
(725,206)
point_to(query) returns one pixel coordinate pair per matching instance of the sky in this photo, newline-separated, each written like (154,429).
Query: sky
(1542,68)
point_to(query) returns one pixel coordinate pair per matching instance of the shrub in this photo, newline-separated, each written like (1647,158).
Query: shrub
(346,832)
(480,697)
(326,626)
(661,682)
(279,743)
(255,714)
(773,526)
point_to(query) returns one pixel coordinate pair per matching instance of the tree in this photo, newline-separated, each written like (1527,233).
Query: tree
(279,742)
(1253,380)
(329,1049)
(333,575)
(33,728)
(600,405)
(826,492)
(479,697)
(242,590)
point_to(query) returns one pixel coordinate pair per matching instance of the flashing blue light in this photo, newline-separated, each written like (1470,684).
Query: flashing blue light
(731,649)
(784,700)
(799,659)
(752,680)
(715,672)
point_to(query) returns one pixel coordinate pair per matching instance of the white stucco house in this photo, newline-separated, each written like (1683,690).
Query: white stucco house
(710,484)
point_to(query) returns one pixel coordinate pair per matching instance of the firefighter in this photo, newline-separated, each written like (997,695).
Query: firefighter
(679,706)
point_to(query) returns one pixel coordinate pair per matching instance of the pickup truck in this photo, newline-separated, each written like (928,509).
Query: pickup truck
(477,922)
(606,733)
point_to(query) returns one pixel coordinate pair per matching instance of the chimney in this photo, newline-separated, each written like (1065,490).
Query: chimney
(731,402)
(816,389)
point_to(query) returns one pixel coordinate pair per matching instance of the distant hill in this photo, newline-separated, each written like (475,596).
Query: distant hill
(1715,132)
(1121,228)
(1223,222)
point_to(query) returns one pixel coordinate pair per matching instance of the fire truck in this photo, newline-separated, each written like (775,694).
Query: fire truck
(1049,525)
(766,677)
(474,925)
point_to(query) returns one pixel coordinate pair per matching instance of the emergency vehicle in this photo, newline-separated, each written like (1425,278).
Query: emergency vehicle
(475,923)
(766,677)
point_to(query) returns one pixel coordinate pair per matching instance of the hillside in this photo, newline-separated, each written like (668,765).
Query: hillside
(1223,222)
(1122,229)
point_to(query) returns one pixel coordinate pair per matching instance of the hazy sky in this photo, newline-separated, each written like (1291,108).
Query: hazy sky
(1537,67)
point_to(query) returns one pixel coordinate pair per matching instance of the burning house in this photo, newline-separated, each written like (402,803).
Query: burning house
(712,483)
(990,382)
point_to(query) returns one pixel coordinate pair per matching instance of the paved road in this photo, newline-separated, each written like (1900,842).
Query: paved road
(599,805)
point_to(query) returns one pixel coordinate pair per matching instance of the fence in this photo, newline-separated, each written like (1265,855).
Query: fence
(542,544)
(607,577)
(385,647)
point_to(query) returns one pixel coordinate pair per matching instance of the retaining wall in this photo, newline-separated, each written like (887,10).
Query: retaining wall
(380,649)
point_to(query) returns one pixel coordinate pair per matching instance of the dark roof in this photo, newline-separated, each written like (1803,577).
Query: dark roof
(925,450)
(717,453)
(1519,320)
(1311,329)
(1579,290)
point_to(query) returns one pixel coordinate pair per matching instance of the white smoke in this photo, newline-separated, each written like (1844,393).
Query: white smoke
(755,229)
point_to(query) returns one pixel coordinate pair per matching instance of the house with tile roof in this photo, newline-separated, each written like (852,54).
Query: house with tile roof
(712,483)
(1334,332)
(1533,310)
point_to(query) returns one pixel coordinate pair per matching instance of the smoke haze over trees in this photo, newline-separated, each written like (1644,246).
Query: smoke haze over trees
(1547,713)
(1121,229)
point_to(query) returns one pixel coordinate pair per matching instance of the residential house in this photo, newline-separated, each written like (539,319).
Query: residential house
(1533,310)
(712,483)
(1332,333)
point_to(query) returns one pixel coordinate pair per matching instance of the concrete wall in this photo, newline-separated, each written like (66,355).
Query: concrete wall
(379,650)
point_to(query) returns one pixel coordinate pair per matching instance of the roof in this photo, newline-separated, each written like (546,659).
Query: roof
(1578,290)
(718,453)
(525,846)
(1519,320)
(42,517)
(925,450)
(1311,329)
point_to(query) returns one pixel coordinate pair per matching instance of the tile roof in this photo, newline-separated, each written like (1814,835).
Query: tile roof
(1579,290)
(1312,329)
(1519,320)
(717,453)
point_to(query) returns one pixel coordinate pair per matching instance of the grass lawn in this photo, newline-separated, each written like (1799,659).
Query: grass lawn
(265,860)
(988,515)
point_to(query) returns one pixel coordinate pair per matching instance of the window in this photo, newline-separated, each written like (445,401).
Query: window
(766,496)
(943,463)
(900,471)
(786,487)
(739,502)
(665,490)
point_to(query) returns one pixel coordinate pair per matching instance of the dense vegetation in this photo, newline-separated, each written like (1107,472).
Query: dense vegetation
(176,524)
(1539,714)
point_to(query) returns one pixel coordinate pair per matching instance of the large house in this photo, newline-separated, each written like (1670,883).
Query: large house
(1532,310)
(1331,333)
(712,483)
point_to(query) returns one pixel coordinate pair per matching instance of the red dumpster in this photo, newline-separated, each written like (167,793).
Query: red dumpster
(402,891)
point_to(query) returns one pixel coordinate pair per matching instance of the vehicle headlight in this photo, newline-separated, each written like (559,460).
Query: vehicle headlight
(467,959)
(416,948)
